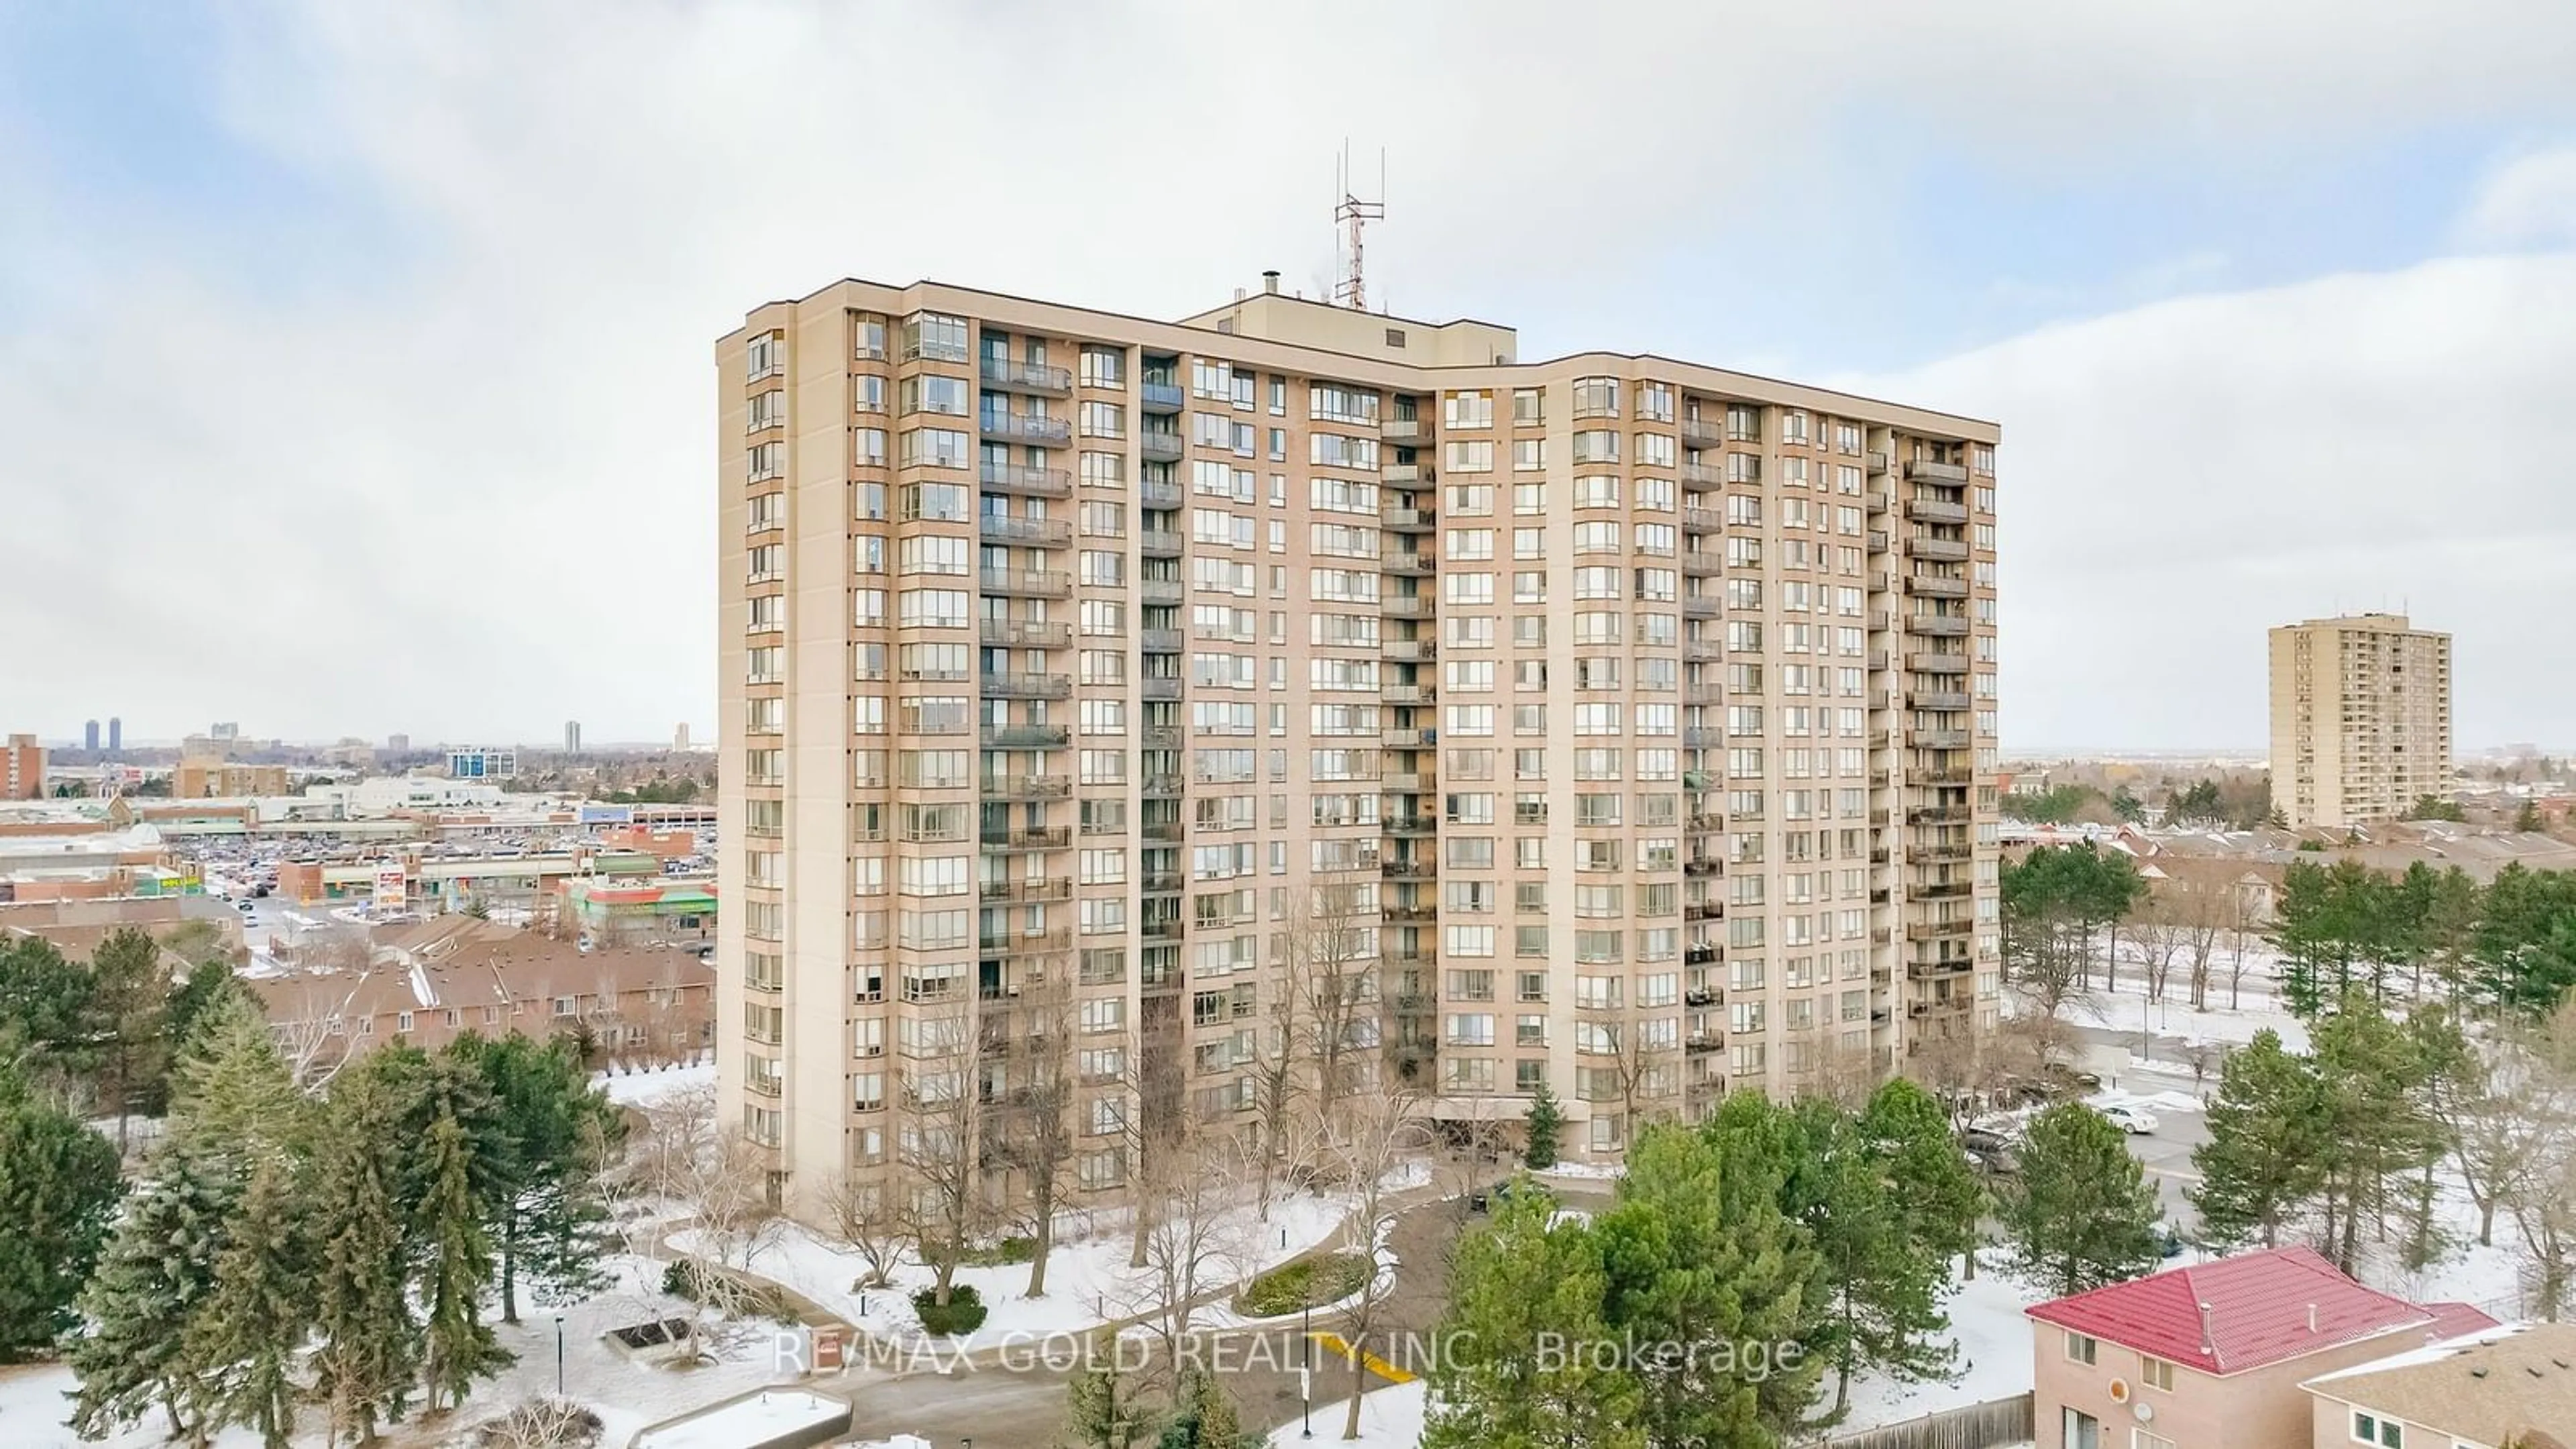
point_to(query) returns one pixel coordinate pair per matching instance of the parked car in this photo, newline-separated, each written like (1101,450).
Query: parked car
(2132,1120)
(1983,1140)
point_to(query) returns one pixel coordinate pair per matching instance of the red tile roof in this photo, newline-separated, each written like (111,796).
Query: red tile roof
(2260,1307)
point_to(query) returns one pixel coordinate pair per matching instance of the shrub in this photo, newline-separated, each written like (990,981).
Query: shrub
(1307,1283)
(1006,1253)
(964,1312)
(685,1278)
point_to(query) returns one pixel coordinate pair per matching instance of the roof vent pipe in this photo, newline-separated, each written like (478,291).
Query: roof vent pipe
(1270,281)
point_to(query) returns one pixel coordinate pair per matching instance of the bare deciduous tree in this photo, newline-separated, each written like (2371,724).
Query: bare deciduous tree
(861,1217)
(1031,1128)
(939,1144)
(1197,1239)
(1367,1144)
(720,1177)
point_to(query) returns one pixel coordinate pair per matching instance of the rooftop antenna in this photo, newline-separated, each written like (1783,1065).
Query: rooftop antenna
(1351,211)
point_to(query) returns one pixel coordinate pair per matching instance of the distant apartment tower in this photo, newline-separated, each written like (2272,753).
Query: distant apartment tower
(89,737)
(397,744)
(115,734)
(22,769)
(572,737)
(1630,723)
(482,763)
(2361,719)
(680,737)
(225,732)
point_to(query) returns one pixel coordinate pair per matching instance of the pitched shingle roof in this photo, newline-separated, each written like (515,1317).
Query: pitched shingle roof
(2262,1308)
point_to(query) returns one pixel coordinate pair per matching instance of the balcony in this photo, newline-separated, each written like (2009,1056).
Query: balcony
(1948,970)
(1026,481)
(1699,606)
(1026,787)
(1021,943)
(1878,540)
(1939,890)
(1408,651)
(1408,520)
(1161,882)
(1937,815)
(1160,399)
(1403,430)
(1703,433)
(1701,1043)
(1945,550)
(1701,737)
(1702,520)
(1400,475)
(1026,583)
(1700,865)
(1158,591)
(1158,543)
(1702,650)
(1025,737)
(1931,510)
(1702,475)
(1411,912)
(1408,825)
(1009,376)
(1937,739)
(1405,606)
(1162,786)
(1701,911)
(1937,626)
(1159,686)
(1164,832)
(1950,473)
(1936,586)
(1407,694)
(1041,432)
(1159,737)
(1019,634)
(1942,775)
(1403,561)
(1936,699)
(1404,782)
(1028,888)
(1704,694)
(1158,495)
(1700,563)
(1028,837)
(1937,663)
(1407,869)
(1159,447)
(1045,532)
(1948,852)
(1159,641)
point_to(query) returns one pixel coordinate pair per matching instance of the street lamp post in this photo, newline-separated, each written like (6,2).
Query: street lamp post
(559,1356)
(1306,1379)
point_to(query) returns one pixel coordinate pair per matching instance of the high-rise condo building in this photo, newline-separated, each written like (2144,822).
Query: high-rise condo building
(1110,706)
(2361,719)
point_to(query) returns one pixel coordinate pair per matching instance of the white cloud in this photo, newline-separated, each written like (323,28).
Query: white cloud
(2179,477)
(455,477)
(2528,202)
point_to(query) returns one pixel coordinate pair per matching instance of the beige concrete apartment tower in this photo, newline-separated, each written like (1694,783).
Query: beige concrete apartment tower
(2361,719)
(1109,703)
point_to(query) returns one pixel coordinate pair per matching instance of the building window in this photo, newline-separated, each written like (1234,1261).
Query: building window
(2156,1373)
(2369,1428)
(2082,1348)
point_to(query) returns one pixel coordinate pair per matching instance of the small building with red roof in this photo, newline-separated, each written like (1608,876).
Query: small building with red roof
(2211,1356)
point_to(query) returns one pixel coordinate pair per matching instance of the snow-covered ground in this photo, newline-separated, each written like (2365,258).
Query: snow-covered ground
(626,1396)
(765,1415)
(1390,1418)
(1993,1341)
(1089,1281)
(650,1086)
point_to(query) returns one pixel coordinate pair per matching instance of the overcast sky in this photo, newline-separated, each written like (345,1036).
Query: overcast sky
(356,370)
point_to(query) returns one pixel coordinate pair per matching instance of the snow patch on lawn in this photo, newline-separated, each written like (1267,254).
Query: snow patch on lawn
(1994,1355)
(1089,1281)
(1390,1418)
(651,1086)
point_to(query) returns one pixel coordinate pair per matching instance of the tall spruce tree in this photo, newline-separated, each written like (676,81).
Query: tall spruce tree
(158,1270)
(2261,1161)
(455,1271)
(369,1350)
(2081,1215)
(244,1336)
(58,1193)
(2373,1121)
(1105,1406)
(542,1146)
(1527,1305)
(129,1013)
(1546,1130)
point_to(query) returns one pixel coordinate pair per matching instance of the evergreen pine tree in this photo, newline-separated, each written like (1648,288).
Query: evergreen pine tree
(456,1269)
(369,1347)
(129,1021)
(158,1269)
(1517,1289)
(1546,1130)
(58,1192)
(2261,1160)
(243,1337)
(2081,1215)
(2373,1122)
(1203,1417)
(192,1001)
(1105,1408)
(541,1146)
